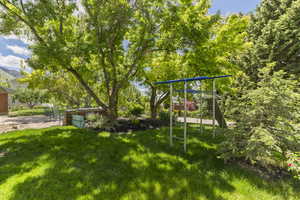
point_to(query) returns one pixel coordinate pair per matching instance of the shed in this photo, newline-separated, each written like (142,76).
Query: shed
(3,101)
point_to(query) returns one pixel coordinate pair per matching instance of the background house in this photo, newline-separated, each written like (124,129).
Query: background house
(8,84)
(3,101)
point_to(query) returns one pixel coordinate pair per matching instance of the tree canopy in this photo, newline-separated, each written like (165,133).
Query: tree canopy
(274,34)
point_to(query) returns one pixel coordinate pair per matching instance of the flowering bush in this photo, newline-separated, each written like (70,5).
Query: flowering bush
(294,163)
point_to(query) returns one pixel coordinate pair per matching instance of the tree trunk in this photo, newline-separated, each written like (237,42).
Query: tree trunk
(112,113)
(153,108)
(219,115)
(153,112)
(155,101)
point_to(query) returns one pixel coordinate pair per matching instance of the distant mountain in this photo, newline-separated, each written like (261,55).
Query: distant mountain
(13,73)
(11,76)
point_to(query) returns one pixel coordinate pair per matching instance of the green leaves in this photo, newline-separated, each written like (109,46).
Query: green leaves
(274,32)
(31,97)
(267,120)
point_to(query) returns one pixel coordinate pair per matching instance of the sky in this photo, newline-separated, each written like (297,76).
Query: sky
(13,49)
(233,6)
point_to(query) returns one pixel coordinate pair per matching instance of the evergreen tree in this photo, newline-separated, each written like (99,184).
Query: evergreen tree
(268,123)
(274,32)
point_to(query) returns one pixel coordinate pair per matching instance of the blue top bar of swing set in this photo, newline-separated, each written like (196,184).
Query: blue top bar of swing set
(192,91)
(192,79)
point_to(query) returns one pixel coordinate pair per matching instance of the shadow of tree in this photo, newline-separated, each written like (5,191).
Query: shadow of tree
(69,163)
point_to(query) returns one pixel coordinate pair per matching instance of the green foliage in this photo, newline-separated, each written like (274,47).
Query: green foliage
(130,98)
(201,45)
(215,54)
(91,57)
(4,79)
(135,122)
(99,121)
(164,116)
(90,45)
(62,88)
(136,111)
(294,163)
(274,34)
(268,118)
(96,121)
(29,96)
(29,112)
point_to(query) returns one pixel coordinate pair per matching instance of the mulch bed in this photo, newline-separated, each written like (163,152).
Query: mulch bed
(127,125)
(266,172)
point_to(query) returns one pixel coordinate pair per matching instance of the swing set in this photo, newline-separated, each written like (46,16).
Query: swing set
(186,90)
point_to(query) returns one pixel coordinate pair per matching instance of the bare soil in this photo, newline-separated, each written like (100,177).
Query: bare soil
(25,122)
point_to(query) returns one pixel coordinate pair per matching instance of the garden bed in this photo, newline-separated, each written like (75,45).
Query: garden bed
(127,125)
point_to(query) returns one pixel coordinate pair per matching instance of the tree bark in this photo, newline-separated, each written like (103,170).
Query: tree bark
(88,89)
(155,103)
(219,115)
(153,109)
(113,105)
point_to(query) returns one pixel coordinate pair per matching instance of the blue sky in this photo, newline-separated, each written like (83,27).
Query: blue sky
(13,50)
(233,6)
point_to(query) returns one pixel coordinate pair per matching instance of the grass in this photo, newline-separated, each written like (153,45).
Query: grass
(70,163)
(28,112)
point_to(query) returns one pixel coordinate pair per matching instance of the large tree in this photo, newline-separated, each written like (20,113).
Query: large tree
(186,20)
(215,54)
(274,33)
(62,88)
(101,43)
(162,66)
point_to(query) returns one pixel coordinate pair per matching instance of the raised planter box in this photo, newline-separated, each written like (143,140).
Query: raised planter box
(81,111)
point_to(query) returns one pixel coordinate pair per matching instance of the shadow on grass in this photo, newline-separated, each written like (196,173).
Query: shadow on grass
(69,163)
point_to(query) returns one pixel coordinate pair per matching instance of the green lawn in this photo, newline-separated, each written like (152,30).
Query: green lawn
(68,163)
(28,112)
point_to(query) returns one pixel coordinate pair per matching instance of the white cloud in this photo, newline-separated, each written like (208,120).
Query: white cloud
(16,37)
(10,61)
(11,37)
(19,50)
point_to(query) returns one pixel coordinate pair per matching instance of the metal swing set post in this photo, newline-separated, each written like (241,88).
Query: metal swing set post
(214,107)
(171,114)
(185,138)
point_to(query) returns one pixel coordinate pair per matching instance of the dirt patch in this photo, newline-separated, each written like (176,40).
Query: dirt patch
(25,122)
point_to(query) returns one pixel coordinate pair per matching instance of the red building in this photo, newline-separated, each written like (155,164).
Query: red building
(190,105)
(3,101)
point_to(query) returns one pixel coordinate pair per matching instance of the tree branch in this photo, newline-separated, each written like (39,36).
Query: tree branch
(34,31)
(87,88)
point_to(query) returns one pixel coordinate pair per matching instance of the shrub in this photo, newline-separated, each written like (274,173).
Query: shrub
(136,111)
(267,121)
(92,117)
(31,97)
(135,122)
(97,121)
(293,163)
(164,116)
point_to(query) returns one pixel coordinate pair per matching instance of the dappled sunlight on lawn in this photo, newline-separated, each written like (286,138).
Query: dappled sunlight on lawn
(70,163)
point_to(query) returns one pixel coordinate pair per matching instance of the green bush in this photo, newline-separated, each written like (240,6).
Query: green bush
(30,97)
(135,122)
(136,111)
(28,112)
(268,119)
(294,163)
(17,108)
(98,121)
(164,116)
